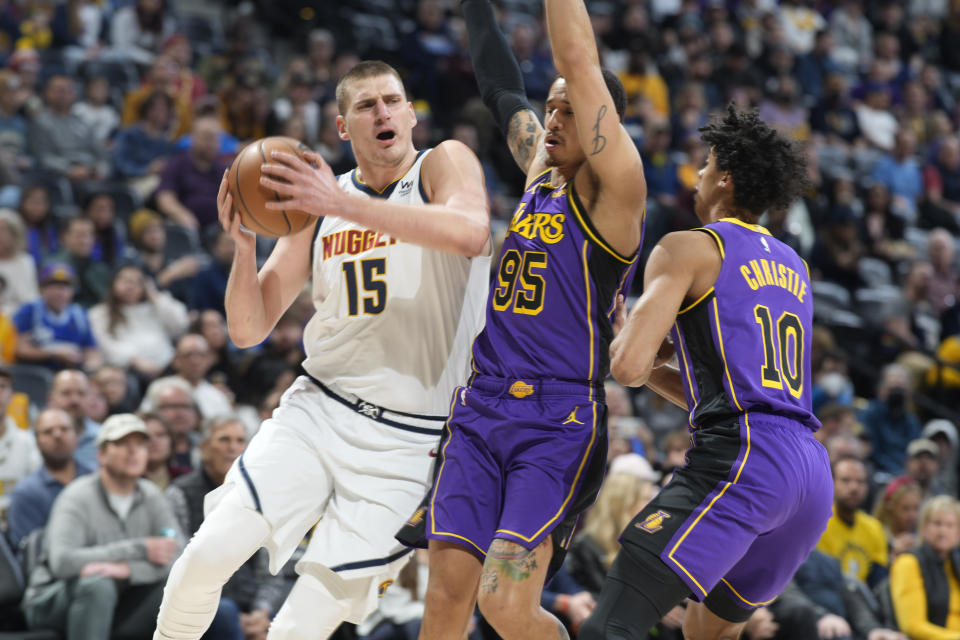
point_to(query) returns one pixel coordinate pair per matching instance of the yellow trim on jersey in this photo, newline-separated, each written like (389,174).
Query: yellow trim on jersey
(717,239)
(433,498)
(743,463)
(586,282)
(573,485)
(807,267)
(531,181)
(752,604)
(746,225)
(357,177)
(692,305)
(586,228)
(716,318)
(686,370)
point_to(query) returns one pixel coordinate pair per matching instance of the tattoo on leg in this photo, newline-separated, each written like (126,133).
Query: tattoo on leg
(516,564)
(488,581)
(599,141)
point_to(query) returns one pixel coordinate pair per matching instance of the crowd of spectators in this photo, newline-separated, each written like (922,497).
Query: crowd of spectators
(118,118)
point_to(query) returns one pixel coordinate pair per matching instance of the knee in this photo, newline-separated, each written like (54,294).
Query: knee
(443,595)
(96,591)
(504,610)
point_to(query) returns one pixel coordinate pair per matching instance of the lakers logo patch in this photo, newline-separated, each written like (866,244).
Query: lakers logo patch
(417,517)
(520,389)
(383,587)
(653,522)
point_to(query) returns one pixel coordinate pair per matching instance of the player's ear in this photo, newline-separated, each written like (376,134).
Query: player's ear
(413,114)
(342,128)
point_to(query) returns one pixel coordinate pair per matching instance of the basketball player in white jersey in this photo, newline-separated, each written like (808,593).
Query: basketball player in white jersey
(399,267)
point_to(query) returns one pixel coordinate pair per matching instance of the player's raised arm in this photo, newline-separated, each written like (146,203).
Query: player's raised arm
(611,154)
(501,85)
(254,302)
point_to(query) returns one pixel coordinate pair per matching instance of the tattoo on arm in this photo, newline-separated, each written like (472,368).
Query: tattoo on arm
(522,134)
(599,141)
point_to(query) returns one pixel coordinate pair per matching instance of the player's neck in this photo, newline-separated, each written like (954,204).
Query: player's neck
(377,177)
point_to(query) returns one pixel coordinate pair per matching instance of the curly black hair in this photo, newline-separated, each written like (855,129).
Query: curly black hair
(769,170)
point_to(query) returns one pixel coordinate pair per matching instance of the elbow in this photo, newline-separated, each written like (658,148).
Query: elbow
(629,372)
(244,338)
(475,242)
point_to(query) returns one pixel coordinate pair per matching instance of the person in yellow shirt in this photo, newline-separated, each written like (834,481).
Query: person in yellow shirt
(854,537)
(924,583)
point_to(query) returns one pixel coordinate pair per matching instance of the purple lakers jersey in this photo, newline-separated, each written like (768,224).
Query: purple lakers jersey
(552,299)
(745,345)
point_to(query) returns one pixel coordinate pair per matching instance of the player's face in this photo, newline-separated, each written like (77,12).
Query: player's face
(378,121)
(560,139)
(707,193)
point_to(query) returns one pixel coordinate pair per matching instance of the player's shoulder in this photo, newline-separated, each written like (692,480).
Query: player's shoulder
(447,155)
(692,244)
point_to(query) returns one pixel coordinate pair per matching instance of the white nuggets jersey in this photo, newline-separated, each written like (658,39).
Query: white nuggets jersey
(394,321)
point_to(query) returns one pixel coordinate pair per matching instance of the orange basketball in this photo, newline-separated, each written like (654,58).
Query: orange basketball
(250,198)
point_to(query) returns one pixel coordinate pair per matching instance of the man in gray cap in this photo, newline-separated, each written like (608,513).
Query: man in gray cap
(108,546)
(924,464)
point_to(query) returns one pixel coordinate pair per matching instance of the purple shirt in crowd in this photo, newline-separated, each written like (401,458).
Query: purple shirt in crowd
(195,189)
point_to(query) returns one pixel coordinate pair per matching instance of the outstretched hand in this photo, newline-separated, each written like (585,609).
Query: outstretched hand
(305,184)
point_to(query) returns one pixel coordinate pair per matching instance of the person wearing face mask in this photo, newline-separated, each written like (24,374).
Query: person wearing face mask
(925,583)
(890,421)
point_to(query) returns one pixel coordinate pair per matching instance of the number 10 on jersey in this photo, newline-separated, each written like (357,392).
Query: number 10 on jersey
(520,288)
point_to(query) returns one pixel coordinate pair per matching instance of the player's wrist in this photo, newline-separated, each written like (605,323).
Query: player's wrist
(563,603)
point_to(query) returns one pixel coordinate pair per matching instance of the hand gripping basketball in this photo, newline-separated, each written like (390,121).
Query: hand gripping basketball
(303,183)
(251,198)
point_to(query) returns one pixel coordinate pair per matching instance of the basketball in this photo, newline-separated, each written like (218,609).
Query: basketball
(250,198)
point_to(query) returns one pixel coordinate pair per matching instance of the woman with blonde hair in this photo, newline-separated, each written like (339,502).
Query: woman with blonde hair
(925,582)
(897,510)
(623,495)
(17,268)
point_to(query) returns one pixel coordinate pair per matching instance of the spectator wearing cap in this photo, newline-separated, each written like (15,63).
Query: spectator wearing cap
(61,141)
(191,179)
(53,330)
(890,420)
(141,150)
(852,536)
(33,496)
(923,467)
(944,434)
(17,267)
(108,545)
(18,451)
(77,242)
(70,391)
